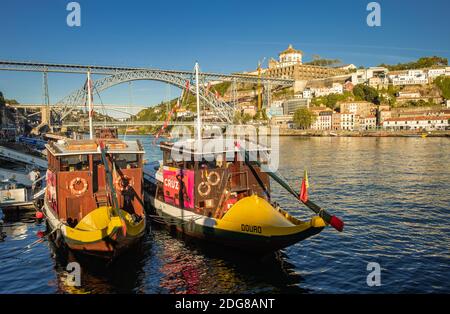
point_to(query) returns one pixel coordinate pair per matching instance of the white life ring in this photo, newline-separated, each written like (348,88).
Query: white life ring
(217,178)
(201,192)
(76,181)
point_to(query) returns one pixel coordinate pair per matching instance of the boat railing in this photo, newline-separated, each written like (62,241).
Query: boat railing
(39,179)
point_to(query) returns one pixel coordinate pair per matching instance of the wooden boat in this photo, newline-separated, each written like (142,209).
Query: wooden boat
(223,196)
(225,201)
(94,199)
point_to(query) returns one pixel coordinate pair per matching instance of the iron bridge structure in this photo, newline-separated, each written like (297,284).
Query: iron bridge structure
(114,75)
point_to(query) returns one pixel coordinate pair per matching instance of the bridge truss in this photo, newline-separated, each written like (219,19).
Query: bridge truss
(115,75)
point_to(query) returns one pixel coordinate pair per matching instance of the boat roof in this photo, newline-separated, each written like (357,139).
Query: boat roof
(88,147)
(215,146)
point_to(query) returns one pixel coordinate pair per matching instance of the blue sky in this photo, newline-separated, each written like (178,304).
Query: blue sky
(224,36)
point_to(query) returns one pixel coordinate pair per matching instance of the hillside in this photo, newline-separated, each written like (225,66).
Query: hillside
(421,63)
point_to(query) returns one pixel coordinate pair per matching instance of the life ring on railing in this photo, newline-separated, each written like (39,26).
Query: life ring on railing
(201,190)
(123,183)
(76,181)
(216,175)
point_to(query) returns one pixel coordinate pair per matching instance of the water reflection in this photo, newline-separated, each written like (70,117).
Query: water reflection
(391,192)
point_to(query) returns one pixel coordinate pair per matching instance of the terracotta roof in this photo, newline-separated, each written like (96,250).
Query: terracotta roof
(419,118)
(290,49)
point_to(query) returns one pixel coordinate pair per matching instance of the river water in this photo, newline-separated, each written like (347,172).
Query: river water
(392,193)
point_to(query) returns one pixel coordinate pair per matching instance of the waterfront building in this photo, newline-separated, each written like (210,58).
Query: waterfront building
(323,118)
(345,121)
(361,108)
(349,121)
(291,66)
(428,123)
(274,111)
(283,122)
(336,121)
(291,105)
(383,113)
(368,123)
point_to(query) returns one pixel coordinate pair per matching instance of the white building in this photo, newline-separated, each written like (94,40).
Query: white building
(349,121)
(336,88)
(362,76)
(368,123)
(323,119)
(433,73)
(347,67)
(411,77)
(289,57)
(428,123)
(307,93)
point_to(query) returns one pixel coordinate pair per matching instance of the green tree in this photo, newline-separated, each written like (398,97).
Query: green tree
(323,62)
(260,115)
(304,118)
(443,83)
(424,62)
(367,93)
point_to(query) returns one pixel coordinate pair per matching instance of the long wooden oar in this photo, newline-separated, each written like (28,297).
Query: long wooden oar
(109,176)
(334,221)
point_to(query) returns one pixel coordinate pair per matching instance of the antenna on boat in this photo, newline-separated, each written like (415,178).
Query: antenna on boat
(91,108)
(199,122)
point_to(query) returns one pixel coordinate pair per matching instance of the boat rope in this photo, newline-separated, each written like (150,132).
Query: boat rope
(164,220)
(29,246)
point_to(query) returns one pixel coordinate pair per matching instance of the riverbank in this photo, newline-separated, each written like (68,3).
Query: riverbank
(377,133)
(345,133)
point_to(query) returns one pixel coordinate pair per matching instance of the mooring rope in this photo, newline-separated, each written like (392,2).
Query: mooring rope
(29,246)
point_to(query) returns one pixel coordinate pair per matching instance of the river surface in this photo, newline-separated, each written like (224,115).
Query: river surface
(392,193)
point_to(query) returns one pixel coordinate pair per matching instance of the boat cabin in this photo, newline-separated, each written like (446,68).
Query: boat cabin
(77,181)
(210,183)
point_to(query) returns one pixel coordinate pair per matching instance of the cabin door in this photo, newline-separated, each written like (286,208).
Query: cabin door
(99,181)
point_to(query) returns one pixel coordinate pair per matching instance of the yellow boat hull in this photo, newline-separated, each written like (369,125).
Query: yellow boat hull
(100,232)
(251,224)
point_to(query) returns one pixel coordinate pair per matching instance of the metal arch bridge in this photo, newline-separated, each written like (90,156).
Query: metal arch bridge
(27,66)
(119,75)
(223,110)
(138,123)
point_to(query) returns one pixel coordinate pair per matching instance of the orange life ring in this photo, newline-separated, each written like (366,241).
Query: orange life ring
(123,183)
(213,174)
(203,192)
(76,181)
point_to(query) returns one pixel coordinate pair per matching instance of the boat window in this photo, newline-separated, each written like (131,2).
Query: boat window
(126,161)
(167,158)
(75,163)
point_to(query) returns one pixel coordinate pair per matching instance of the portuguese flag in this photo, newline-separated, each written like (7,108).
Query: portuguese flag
(304,188)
